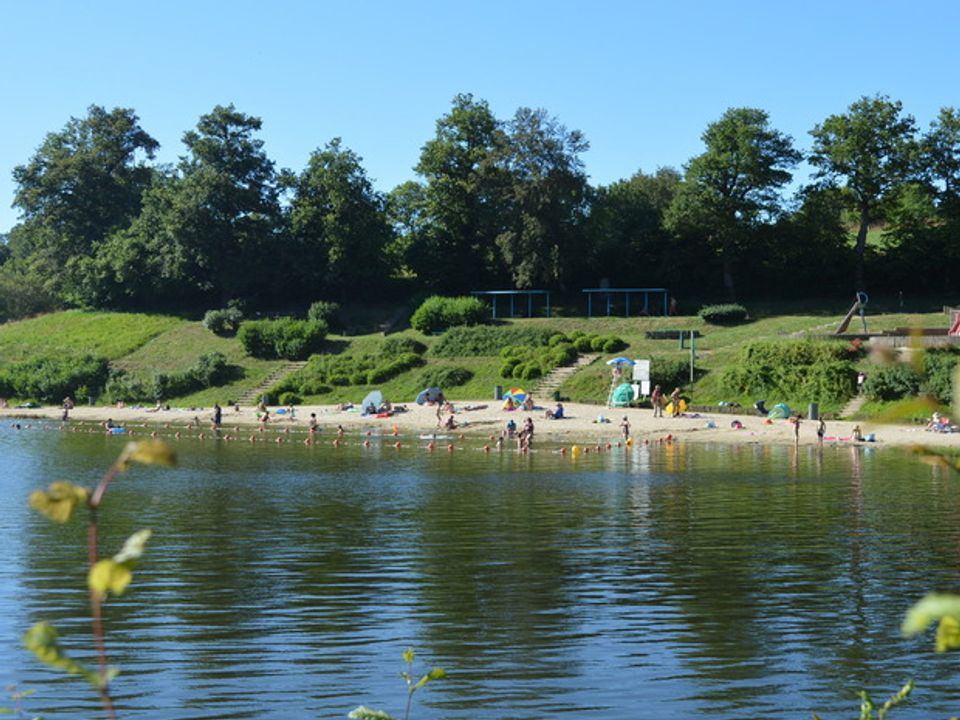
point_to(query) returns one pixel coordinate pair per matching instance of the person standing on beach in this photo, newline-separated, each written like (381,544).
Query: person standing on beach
(796,430)
(821,430)
(217,416)
(656,399)
(675,402)
(625,428)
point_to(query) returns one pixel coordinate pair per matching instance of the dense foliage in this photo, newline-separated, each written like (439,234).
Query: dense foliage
(445,377)
(210,370)
(798,371)
(325,311)
(495,203)
(439,313)
(524,362)
(223,322)
(51,379)
(487,340)
(287,338)
(729,314)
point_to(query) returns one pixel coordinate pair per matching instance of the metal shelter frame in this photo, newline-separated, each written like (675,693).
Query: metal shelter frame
(494,294)
(627,292)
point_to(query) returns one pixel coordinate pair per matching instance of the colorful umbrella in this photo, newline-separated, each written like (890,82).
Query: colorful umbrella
(516,394)
(621,361)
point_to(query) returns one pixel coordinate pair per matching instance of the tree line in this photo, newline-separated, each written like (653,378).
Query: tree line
(495,203)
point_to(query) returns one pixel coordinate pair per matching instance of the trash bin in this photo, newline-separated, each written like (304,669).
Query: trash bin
(498,392)
(813,412)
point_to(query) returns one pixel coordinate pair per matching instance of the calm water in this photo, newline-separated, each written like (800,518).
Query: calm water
(664,582)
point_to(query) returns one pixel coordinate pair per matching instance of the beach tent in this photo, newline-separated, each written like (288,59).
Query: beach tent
(622,395)
(374,398)
(431,395)
(780,411)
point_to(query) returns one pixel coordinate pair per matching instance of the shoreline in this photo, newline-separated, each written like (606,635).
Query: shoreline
(487,421)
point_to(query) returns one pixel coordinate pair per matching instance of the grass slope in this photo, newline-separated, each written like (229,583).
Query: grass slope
(144,344)
(110,335)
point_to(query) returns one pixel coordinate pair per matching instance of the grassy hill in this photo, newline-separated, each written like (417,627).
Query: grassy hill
(145,344)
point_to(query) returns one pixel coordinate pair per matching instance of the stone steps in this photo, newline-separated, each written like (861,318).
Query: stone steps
(251,396)
(553,380)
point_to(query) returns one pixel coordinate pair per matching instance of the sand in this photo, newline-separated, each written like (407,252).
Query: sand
(480,425)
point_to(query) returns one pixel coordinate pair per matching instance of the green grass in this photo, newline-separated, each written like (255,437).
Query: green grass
(109,335)
(144,344)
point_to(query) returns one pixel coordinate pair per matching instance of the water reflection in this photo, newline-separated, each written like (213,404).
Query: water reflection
(654,581)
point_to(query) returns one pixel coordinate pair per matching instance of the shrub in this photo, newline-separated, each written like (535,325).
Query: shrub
(613,344)
(669,373)
(285,338)
(290,398)
(798,370)
(396,345)
(939,366)
(50,379)
(438,313)
(532,371)
(730,314)
(486,341)
(892,382)
(584,343)
(445,377)
(327,312)
(224,322)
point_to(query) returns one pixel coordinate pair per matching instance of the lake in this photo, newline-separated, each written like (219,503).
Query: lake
(652,582)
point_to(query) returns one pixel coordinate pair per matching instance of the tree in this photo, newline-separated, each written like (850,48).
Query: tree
(545,193)
(83,184)
(871,149)
(625,234)
(733,185)
(339,222)
(461,203)
(212,229)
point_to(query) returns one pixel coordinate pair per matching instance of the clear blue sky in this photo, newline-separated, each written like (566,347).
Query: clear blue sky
(640,79)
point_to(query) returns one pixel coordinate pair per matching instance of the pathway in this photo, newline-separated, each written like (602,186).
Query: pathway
(253,394)
(556,377)
(853,407)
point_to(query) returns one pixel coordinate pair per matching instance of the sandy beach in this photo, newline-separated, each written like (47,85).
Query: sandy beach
(487,421)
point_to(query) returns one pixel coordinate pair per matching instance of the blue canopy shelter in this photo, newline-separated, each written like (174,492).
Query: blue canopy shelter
(648,308)
(512,294)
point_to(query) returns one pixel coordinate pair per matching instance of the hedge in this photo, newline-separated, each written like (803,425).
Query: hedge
(51,379)
(286,338)
(439,313)
(730,314)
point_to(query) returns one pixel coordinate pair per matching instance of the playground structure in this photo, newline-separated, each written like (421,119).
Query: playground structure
(859,306)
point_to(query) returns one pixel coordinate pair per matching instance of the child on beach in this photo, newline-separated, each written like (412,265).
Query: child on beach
(625,428)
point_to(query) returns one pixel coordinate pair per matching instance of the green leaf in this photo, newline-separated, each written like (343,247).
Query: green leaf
(41,640)
(147,452)
(109,576)
(132,549)
(114,575)
(434,674)
(365,713)
(933,607)
(59,500)
(948,634)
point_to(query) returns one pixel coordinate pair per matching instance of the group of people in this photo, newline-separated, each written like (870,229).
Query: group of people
(523,436)
(658,400)
(526,404)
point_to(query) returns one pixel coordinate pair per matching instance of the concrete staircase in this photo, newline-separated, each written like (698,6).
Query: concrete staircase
(853,407)
(553,380)
(251,396)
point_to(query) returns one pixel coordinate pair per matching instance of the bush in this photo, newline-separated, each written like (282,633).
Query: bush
(210,370)
(797,370)
(730,314)
(290,398)
(397,345)
(613,344)
(583,343)
(224,322)
(286,338)
(438,313)
(669,373)
(487,341)
(50,379)
(939,367)
(445,377)
(892,382)
(326,312)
